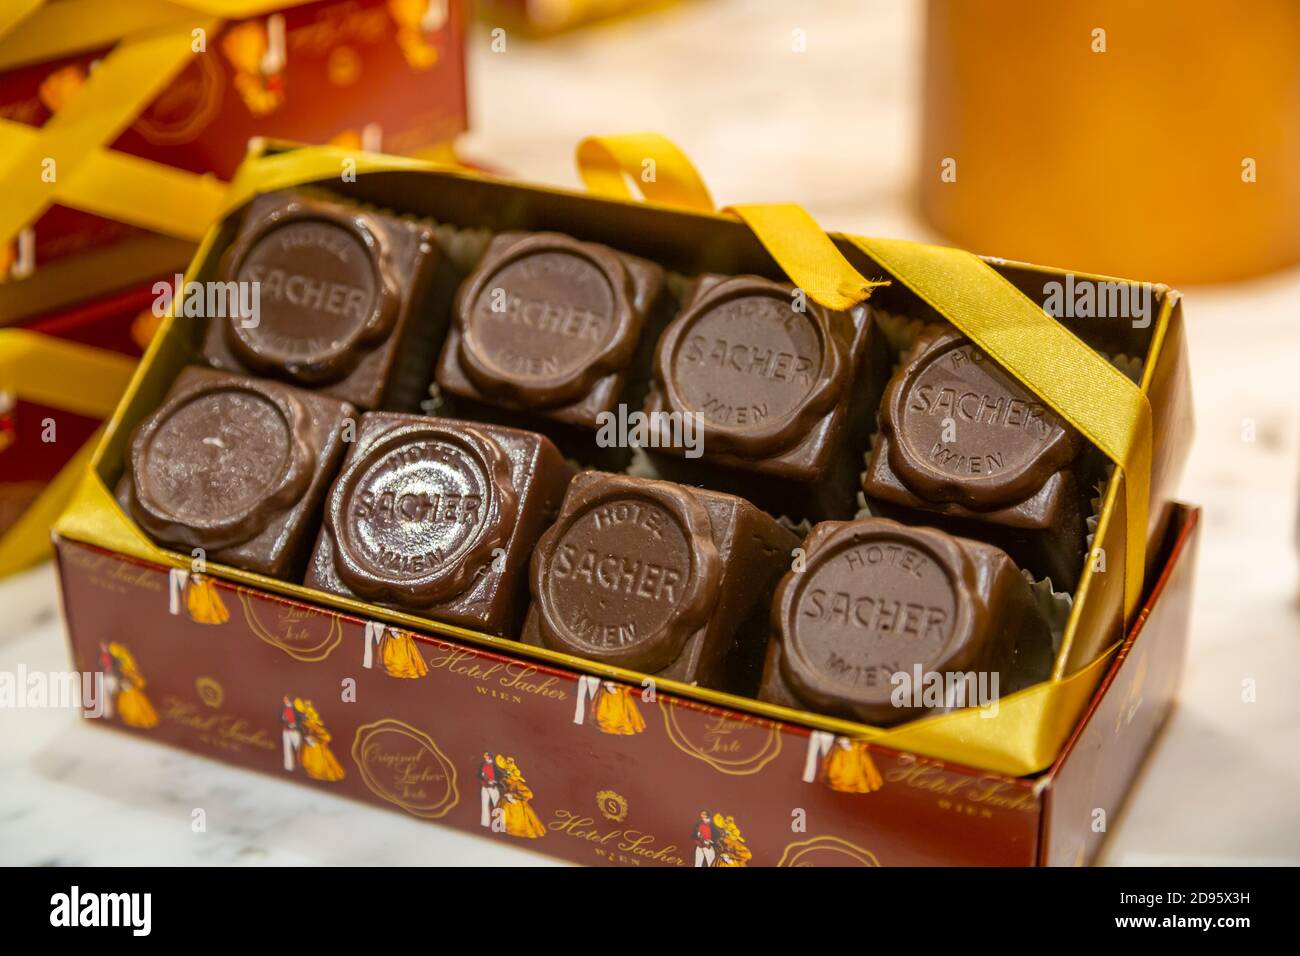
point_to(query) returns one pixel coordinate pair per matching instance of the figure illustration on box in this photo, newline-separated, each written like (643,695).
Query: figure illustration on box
(504,795)
(401,655)
(370,139)
(124,687)
(203,602)
(615,710)
(843,764)
(18,258)
(257,53)
(8,424)
(612,706)
(62,86)
(731,845)
(718,841)
(417,20)
(306,741)
(290,733)
(399,652)
(198,593)
(489,781)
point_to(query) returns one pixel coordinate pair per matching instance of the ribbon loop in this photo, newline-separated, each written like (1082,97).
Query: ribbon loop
(659,168)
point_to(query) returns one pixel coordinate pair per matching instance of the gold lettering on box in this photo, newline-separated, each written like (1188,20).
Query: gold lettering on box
(635,844)
(109,573)
(217,728)
(305,634)
(503,681)
(404,766)
(975,794)
(734,747)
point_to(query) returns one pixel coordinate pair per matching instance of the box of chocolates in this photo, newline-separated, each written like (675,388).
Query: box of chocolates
(633,544)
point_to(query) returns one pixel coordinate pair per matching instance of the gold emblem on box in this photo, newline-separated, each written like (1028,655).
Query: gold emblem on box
(210,691)
(612,806)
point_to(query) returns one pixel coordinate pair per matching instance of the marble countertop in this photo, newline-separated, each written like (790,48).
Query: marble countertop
(1222,784)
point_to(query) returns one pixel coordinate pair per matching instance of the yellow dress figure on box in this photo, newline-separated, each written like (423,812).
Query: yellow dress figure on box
(258,60)
(616,710)
(516,812)
(849,768)
(316,757)
(401,655)
(732,851)
(415,19)
(203,602)
(61,87)
(131,703)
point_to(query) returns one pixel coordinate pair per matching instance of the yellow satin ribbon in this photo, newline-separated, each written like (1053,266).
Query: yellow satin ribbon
(1071,378)
(156,43)
(806,254)
(60,374)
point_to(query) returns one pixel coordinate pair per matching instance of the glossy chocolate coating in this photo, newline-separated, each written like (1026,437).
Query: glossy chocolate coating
(344,300)
(437,517)
(785,394)
(657,577)
(877,598)
(550,325)
(236,466)
(964,446)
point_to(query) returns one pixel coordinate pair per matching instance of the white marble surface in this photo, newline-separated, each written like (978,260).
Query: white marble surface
(1223,784)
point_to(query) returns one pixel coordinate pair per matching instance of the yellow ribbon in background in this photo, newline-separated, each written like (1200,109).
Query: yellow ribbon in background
(155,41)
(59,374)
(1032,725)
(661,171)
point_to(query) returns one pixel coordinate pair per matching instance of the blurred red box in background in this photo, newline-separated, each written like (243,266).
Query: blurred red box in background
(92,89)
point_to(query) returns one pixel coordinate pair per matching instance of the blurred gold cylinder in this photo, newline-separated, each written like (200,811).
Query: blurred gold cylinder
(1155,140)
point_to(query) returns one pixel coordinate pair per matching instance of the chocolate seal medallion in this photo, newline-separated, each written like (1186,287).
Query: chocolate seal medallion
(542,320)
(760,371)
(875,600)
(325,291)
(417,515)
(215,463)
(627,574)
(961,429)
